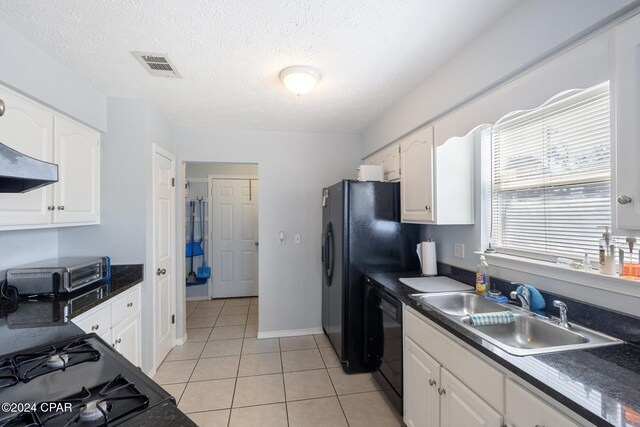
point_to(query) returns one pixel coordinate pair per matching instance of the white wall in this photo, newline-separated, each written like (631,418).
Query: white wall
(203,170)
(528,32)
(28,69)
(293,169)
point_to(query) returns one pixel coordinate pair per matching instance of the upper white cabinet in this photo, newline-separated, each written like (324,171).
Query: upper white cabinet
(389,158)
(416,185)
(77,153)
(28,128)
(45,135)
(626,191)
(437,180)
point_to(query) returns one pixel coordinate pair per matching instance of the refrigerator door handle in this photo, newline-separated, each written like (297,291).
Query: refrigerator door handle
(330,255)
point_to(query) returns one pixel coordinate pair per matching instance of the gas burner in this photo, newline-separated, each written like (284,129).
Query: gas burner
(58,361)
(53,359)
(8,373)
(92,411)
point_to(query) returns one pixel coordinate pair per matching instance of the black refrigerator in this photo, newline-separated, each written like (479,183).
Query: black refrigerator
(362,233)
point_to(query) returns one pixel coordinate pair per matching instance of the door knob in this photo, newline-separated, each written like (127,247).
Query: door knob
(161,271)
(1,107)
(623,199)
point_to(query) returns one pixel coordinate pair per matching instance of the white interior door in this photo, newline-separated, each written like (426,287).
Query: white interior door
(234,237)
(163,214)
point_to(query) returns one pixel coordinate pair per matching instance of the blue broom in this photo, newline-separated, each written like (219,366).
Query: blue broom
(204,272)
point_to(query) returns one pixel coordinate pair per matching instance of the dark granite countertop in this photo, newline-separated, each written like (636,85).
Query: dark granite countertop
(163,415)
(602,385)
(31,322)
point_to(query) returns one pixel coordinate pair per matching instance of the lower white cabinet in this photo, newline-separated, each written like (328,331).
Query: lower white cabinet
(459,406)
(421,381)
(125,337)
(434,397)
(117,321)
(526,410)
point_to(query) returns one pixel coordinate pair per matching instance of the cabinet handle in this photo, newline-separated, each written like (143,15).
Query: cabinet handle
(95,327)
(623,199)
(432,382)
(51,208)
(161,271)
(119,340)
(441,391)
(428,207)
(61,207)
(130,304)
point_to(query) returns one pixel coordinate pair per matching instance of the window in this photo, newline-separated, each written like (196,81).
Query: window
(551,190)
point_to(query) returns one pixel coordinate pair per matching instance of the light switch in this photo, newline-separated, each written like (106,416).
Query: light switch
(458,251)
(296,238)
(281,237)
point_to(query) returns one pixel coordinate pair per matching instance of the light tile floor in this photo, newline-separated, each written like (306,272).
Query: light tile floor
(225,377)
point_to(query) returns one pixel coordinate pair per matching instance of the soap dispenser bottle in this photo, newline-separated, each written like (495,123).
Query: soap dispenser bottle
(482,277)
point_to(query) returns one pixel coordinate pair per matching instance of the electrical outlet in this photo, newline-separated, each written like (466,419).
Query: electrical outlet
(458,251)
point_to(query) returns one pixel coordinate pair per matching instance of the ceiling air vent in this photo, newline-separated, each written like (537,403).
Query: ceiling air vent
(157,64)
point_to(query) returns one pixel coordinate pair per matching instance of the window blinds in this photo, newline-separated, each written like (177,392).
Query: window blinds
(551,176)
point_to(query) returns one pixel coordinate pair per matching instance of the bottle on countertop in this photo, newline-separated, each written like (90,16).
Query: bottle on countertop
(482,277)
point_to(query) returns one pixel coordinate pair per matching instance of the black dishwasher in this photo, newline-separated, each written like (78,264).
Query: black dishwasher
(383,323)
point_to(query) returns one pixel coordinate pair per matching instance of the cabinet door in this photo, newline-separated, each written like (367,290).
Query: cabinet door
(97,320)
(421,381)
(126,338)
(459,406)
(77,152)
(390,161)
(524,409)
(626,191)
(416,185)
(27,128)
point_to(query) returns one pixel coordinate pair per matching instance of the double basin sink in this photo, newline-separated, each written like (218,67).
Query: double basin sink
(530,334)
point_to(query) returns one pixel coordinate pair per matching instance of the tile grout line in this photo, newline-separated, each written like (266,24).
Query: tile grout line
(344,414)
(284,387)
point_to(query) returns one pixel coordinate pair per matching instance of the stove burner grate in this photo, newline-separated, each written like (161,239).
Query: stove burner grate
(8,373)
(32,365)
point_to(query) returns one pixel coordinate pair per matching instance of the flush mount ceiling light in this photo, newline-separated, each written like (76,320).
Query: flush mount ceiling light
(300,79)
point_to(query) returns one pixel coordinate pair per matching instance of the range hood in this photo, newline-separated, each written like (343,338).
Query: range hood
(20,173)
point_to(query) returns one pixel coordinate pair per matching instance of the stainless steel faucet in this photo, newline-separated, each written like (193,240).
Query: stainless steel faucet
(524,296)
(563,313)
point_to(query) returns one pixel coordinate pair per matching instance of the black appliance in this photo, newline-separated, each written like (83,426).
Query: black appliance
(76,381)
(20,173)
(383,331)
(362,233)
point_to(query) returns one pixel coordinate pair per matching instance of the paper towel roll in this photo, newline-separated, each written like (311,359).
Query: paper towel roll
(427,255)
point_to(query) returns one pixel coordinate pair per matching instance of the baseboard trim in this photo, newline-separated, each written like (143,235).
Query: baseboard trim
(290,333)
(197,299)
(181,341)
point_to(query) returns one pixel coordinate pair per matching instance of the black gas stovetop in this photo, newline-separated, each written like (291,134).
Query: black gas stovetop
(78,382)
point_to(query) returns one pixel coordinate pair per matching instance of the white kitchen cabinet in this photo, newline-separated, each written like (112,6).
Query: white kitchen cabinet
(27,128)
(459,406)
(626,188)
(526,410)
(117,321)
(437,179)
(421,381)
(77,153)
(41,133)
(125,337)
(389,158)
(416,185)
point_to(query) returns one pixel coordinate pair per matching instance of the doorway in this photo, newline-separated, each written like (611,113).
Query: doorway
(221,226)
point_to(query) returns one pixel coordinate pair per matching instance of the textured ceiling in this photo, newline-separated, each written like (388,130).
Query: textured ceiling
(229,53)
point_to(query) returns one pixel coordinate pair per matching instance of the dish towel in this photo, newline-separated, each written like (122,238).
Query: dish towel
(496,318)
